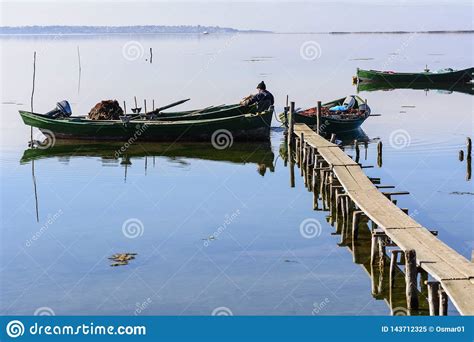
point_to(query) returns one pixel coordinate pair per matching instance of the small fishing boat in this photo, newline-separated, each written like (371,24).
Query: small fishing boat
(342,115)
(250,126)
(447,76)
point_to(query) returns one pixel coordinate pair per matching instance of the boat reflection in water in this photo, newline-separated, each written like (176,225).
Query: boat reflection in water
(465,88)
(117,152)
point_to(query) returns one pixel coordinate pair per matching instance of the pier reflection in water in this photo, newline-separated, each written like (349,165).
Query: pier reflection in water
(358,235)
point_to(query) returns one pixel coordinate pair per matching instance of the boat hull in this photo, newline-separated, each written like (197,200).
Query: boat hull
(242,127)
(329,125)
(459,76)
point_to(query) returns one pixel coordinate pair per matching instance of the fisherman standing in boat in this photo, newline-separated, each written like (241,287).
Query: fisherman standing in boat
(264,99)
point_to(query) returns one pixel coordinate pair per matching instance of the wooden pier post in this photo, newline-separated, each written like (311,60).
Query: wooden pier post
(301,153)
(411,272)
(443,303)
(373,248)
(461,155)
(469,147)
(433,297)
(291,124)
(144,105)
(356,216)
(379,153)
(393,265)
(318,118)
(357,151)
(124,108)
(468,168)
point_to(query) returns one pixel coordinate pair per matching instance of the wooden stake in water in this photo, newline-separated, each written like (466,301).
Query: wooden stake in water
(124,108)
(469,147)
(411,273)
(318,118)
(80,69)
(32,94)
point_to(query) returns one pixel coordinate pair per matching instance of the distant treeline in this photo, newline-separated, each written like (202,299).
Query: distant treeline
(116,29)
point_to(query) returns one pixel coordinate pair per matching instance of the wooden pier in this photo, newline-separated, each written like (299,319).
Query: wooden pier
(355,197)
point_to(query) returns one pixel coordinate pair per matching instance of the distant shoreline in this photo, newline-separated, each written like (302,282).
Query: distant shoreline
(384,32)
(112,30)
(63,30)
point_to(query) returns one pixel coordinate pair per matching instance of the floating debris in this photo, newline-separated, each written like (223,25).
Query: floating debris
(121,259)
(210,238)
(408,106)
(258,59)
(291,261)
(461,193)
(362,59)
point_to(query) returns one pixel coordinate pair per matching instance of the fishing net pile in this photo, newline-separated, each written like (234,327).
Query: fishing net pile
(106,110)
(326,112)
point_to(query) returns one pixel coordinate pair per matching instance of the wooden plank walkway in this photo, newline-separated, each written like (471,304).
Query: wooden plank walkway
(454,272)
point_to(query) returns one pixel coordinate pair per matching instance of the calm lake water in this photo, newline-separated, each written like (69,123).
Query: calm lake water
(165,202)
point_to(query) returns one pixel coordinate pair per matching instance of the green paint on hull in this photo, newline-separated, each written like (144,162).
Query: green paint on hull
(242,127)
(459,76)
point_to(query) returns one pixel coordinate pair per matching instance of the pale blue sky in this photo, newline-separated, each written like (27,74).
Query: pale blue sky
(282,16)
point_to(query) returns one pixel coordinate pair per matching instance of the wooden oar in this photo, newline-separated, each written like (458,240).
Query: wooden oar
(157,110)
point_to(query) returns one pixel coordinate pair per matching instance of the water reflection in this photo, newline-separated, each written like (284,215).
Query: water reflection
(370,248)
(117,153)
(465,88)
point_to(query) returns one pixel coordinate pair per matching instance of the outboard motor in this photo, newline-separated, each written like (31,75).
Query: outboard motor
(62,110)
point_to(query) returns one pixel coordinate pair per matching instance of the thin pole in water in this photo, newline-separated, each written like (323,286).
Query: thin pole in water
(32,94)
(80,69)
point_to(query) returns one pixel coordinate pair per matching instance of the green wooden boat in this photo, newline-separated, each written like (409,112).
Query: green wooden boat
(443,76)
(241,127)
